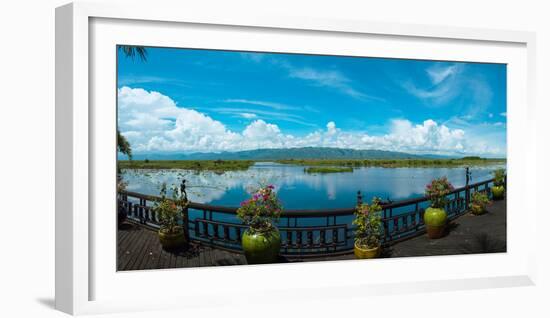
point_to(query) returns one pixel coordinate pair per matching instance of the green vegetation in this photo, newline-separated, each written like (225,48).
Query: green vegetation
(472,158)
(500,175)
(368,219)
(327,169)
(123,146)
(214,165)
(395,163)
(316,165)
(133,51)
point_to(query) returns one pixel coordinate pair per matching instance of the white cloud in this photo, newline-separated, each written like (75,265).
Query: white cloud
(443,88)
(331,128)
(254,57)
(260,130)
(157,124)
(438,95)
(438,74)
(327,78)
(332,79)
(143,121)
(428,137)
(129,80)
(503,114)
(282,116)
(277,106)
(153,122)
(451,83)
(248,115)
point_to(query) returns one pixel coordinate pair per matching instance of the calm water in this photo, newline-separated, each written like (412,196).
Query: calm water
(297,189)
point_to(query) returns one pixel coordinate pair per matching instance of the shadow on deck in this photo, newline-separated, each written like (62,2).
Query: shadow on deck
(139,248)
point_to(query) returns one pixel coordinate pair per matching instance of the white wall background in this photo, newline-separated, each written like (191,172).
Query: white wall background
(27,155)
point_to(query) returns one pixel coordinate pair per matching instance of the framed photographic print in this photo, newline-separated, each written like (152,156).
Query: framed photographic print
(278,173)
(193,149)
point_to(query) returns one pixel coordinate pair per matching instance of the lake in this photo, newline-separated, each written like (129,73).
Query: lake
(298,189)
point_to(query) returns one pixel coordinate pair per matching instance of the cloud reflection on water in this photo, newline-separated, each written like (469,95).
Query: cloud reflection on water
(296,188)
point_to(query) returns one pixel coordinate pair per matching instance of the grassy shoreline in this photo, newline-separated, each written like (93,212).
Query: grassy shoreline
(327,169)
(213,165)
(396,163)
(316,165)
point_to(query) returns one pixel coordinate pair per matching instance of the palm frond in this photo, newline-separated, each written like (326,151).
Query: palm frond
(131,51)
(123,145)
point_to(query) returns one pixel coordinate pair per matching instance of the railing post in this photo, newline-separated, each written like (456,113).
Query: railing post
(467,188)
(359,198)
(185,212)
(186,224)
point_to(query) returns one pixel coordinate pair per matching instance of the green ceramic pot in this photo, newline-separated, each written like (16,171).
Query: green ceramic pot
(122,214)
(362,252)
(261,247)
(477,209)
(435,220)
(498,192)
(171,241)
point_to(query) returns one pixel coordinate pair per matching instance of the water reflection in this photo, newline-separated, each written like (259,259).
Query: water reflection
(297,189)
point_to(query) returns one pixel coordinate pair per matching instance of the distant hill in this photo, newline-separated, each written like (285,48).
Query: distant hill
(287,153)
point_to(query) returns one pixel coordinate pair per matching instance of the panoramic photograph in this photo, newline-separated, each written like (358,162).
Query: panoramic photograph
(236,158)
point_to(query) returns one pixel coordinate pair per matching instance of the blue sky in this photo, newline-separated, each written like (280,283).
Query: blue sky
(183,100)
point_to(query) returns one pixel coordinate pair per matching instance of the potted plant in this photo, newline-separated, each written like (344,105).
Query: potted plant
(261,242)
(435,216)
(368,234)
(498,186)
(478,203)
(169,211)
(122,213)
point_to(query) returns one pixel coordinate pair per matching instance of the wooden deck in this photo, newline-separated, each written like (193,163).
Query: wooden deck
(138,247)
(469,234)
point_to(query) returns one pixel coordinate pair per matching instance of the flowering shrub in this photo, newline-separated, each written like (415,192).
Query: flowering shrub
(368,220)
(480,199)
(120,184)
(437,192)
(169,210)
(122,211)
(499,177)
(261,210)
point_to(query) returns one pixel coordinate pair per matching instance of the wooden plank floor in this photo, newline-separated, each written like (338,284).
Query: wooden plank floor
(139,247)
(468,234)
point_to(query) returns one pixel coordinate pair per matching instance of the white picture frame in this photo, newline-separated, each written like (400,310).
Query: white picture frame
(86,284)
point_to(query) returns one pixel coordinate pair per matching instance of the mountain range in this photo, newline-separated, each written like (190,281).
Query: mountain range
(286,153)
